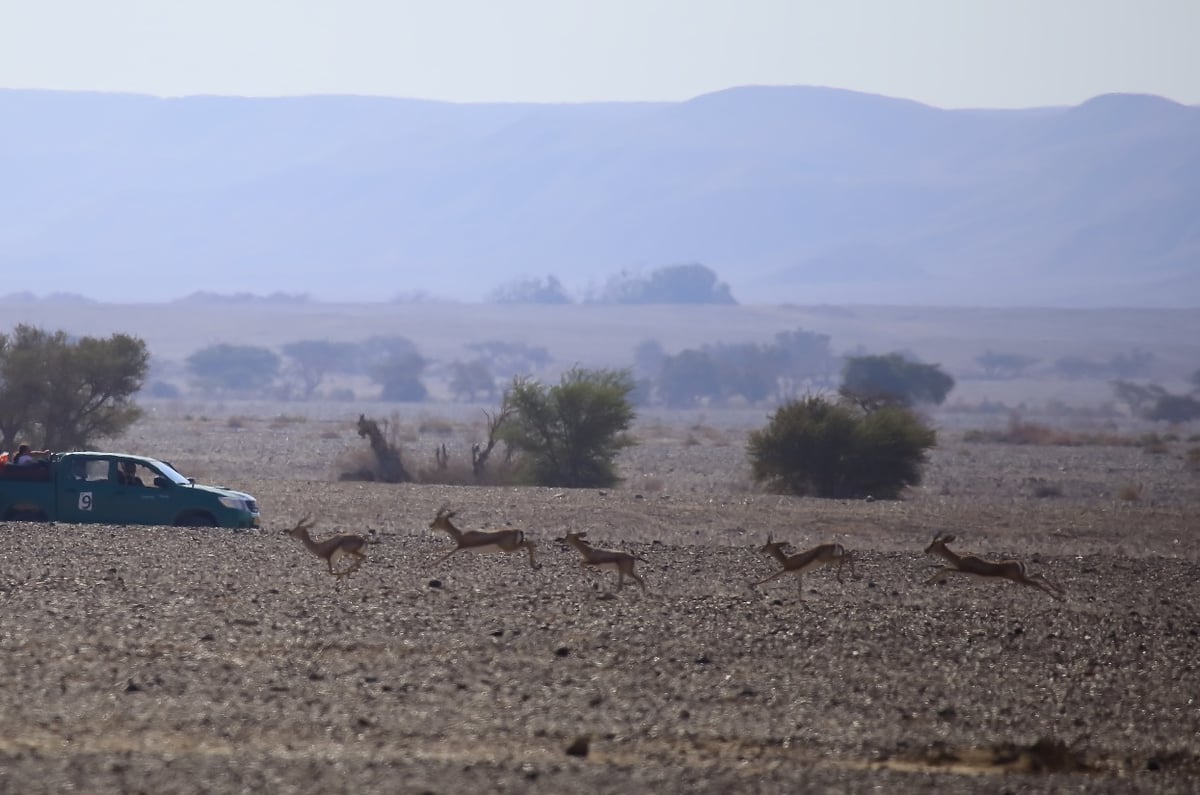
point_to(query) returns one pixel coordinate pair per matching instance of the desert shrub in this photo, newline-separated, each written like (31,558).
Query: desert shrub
(1152,443)
(1130,492)
(1043,490)
(452,467)
(813,446)
(284,420)
(569,434)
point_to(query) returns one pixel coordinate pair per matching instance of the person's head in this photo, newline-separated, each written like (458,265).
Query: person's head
(129,467)
(23,449)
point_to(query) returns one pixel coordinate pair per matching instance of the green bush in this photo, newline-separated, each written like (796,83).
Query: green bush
(815,447)
(569,434)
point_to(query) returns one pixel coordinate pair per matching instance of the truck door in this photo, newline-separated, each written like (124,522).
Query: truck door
(137,496)
(83,488)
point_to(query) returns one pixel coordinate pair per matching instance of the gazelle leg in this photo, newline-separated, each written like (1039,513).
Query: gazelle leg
(941,574)
(779,573)
(1040,582)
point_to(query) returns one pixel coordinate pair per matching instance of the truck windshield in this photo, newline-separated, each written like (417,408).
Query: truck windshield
(170,474)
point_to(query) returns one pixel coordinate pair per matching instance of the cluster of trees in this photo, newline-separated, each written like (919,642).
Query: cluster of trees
(1134,364)
(868,441)
(68,392)
(691,283)
(394,363)
(1153,402)
(793,362)
(999,365)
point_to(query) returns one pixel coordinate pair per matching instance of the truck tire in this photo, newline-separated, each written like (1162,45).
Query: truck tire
(195,519)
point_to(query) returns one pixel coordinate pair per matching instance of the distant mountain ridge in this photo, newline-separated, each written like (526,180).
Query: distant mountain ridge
(791,194)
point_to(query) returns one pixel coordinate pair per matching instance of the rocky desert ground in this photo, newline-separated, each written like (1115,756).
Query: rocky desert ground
(162,660)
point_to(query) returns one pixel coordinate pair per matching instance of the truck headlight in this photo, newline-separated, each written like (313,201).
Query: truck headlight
(233,503)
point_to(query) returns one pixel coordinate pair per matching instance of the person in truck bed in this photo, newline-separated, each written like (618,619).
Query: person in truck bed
(25,457)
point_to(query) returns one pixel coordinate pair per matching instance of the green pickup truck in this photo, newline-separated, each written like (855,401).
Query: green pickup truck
(113,488)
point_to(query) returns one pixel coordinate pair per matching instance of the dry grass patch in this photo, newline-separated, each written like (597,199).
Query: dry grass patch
(435,426)
(1038,434)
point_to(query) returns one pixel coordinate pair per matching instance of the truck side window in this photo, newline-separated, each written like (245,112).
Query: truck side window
(97,471)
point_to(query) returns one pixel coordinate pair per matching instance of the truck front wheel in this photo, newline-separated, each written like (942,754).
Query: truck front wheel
(195,519)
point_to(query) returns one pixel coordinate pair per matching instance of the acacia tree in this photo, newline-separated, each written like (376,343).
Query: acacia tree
(570,434)
(531,291)
(237,368)
(1000,365)
(68,392)
(893,380)
(469,378)
(688,377)
(312,360)
(692,283)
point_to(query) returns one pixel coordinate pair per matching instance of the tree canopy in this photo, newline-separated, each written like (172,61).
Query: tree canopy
(892,379)
(676,284)
(234,368)
(68,392)
(569,434)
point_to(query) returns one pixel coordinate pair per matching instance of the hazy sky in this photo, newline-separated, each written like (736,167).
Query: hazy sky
(949,53)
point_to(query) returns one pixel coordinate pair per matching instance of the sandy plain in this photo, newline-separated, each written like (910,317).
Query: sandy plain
(165,660)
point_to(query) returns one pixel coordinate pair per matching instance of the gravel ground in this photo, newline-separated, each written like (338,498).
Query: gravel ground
(166,660)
